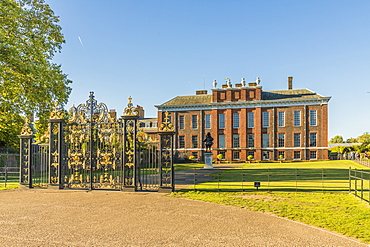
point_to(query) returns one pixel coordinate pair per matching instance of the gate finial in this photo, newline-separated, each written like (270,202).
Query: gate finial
(56,113)
(130,110)
(166,125)
(26,130)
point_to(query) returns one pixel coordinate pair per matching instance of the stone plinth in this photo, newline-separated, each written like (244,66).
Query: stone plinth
(208,160)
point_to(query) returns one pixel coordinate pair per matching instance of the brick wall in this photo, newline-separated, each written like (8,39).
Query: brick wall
(273,129)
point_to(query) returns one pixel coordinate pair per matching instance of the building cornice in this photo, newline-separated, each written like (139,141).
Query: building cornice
(235,88)
(245,104)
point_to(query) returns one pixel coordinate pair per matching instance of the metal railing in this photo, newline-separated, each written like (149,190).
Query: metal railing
(263,179)
(9,169)
(364,162)
(359,183)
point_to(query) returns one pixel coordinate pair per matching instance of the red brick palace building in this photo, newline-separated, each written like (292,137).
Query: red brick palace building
(245,120)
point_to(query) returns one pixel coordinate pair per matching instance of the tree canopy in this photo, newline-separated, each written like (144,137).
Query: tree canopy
(364,138)
(336,139)
(30,83)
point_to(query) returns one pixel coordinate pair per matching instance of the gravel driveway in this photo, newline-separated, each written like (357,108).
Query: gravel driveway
(107,218)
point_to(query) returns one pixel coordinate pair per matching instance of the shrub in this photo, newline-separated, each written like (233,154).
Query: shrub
(220,156)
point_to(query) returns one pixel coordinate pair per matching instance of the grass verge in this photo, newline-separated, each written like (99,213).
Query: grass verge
(339,212)
(294,176)
(336,211)
(187,166)
(9,186)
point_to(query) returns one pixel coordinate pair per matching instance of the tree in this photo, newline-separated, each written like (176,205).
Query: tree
(364,138)
(30,83)
(336,139)
(352,140)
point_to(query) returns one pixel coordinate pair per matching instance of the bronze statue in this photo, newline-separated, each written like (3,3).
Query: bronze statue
(208,141)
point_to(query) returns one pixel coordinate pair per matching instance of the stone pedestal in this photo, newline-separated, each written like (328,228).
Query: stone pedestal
(208,160)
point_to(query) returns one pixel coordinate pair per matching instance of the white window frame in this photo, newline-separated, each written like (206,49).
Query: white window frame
(194,122)
(279,140)
(207,121)
(313,117)
(265,119)
(250,119)
(281,119)
(181,122)
(236,141)
(297,118)
(236,120)
(223,141)
(221,121)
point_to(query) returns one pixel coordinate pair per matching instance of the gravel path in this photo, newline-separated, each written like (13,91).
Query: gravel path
(107,218)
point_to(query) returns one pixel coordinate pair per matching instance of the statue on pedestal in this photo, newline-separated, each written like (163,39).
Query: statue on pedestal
(208,141)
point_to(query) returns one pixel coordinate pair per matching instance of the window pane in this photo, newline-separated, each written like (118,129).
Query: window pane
(208,121)
(236,120)
(223,154)
(312,139)
(265,119)
(236,155)
(251,140)
(194,141)
(313,117)
(297,155)
(297,118)
(236,142)
(221,121)
(221,141)
(297,139)
(250,120)
(181,141)
(265,140)
(281,119)
(312,154)
(194,121)
(195,154)
(281,141)
(181,122)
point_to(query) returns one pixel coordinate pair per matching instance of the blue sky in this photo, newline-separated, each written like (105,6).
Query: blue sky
(156,50)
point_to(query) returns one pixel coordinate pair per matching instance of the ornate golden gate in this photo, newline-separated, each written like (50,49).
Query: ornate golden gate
(95,150)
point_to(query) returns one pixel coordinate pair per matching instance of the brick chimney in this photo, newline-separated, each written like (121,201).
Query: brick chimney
(140,109)
(290,82)
(200,92)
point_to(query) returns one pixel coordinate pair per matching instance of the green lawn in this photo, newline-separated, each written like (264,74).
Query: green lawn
(325,186)
(339,212)
(187,166)
(294,176)
(11,185)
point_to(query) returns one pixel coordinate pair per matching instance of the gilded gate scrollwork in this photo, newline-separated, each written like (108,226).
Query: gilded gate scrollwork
(166,132)
(93,149)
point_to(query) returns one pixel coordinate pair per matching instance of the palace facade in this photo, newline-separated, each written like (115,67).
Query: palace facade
(246,121)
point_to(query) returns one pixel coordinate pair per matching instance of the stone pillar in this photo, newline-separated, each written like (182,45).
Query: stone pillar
(208,160)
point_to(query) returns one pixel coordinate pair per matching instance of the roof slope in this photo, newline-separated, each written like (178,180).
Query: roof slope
(293,94)
(290,94)
(190,100)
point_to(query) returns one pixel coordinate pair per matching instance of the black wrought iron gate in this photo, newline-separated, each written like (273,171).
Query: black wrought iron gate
(93,149)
